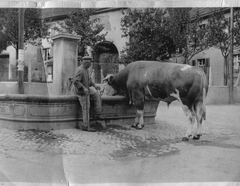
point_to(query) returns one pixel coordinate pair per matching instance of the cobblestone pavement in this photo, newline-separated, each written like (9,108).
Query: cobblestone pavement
(112,142)
(116,142)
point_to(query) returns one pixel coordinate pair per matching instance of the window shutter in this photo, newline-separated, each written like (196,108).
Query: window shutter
(193,62)
(51,52)
(207,62)
(39,55)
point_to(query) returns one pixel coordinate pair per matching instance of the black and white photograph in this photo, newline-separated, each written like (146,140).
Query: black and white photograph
(120,93)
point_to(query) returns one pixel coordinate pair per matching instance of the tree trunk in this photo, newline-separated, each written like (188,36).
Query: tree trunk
(186,60)
(226,71)
(16,60)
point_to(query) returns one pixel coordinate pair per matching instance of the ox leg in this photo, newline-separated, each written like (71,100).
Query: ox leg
(130,98)
(190,115)
(200,115)
(189,133)
(137,118)
(139,103)
(198,133)
(139,122)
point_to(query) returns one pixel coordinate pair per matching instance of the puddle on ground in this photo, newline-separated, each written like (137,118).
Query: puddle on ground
(222,144)
(140,147)
(38,136)
(148,151)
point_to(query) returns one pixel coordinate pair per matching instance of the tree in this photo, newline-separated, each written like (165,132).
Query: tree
(148,35)
(83,23)
(189,34)
(34,27)
(155,34)
(219,27)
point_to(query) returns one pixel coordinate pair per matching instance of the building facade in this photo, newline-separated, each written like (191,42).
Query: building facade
(39,57)
(213,57)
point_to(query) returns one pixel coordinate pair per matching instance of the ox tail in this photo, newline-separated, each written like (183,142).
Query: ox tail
(205,90)
(204,103)
(199,107)
(204,84)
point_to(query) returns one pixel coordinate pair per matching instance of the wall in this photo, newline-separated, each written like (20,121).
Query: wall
(30,54)
(220,95)
(112,23)
(8,88)
(12,55)
(29,88)
(216,64)
(30,58)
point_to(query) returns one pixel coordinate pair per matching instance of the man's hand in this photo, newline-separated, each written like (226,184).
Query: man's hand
(97,87)
(86,91)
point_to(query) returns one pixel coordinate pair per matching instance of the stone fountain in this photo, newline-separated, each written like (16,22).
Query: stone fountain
(54,106)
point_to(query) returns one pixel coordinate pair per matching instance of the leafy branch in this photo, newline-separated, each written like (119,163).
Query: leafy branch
(83,23)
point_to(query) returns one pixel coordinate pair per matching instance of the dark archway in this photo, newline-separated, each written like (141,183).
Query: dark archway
(105,60)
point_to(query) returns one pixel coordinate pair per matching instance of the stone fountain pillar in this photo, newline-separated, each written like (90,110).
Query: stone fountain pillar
(64,62)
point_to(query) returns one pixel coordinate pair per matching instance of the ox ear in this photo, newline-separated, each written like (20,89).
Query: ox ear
(109,78)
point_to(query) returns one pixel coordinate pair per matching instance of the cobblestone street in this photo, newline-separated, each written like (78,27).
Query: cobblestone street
(112,142)
(122,143)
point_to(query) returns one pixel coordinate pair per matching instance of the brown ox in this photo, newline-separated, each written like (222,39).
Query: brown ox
(165,82)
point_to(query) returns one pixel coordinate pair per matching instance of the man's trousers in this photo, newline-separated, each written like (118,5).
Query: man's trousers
(84,101)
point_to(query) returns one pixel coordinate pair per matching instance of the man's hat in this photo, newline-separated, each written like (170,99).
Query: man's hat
(87,58)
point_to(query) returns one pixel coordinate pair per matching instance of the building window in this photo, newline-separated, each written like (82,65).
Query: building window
(201,62)
(236,63)
(204,62)
(202,26)
(46,54)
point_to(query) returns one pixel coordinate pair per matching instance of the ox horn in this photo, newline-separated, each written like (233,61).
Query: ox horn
(108,77)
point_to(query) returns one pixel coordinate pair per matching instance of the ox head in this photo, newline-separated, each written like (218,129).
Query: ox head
(109,87)
(109,79)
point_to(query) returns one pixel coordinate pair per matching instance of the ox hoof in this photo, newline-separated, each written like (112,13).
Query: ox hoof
(139,127)
(185,139)
(197,137)
(134,126)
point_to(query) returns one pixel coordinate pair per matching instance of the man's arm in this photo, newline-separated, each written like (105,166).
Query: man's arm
(94,85)
(77,81)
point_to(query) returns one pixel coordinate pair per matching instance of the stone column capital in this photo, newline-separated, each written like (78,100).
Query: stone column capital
(67,36)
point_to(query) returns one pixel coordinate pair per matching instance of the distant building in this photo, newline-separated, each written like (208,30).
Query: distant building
(213,57)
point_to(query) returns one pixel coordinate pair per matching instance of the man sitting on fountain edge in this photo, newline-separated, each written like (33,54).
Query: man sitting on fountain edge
(82,83)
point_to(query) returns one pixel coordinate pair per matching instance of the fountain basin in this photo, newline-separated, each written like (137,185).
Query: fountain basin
(23,112)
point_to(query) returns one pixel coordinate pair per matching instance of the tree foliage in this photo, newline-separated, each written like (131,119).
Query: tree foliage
(220,34)
(83,23)
(34,27)
(190,35)
(148,35)
(219,26)
(179,19)
(158,33)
